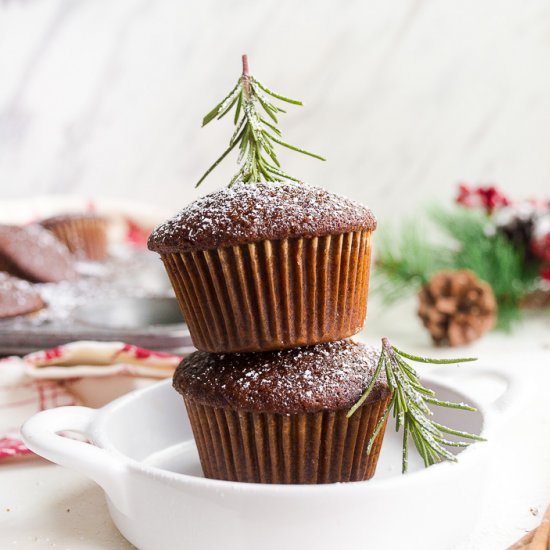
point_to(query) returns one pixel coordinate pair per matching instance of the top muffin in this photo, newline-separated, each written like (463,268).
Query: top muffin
(248,213)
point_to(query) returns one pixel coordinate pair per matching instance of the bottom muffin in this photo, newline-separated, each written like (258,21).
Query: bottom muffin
(280,416)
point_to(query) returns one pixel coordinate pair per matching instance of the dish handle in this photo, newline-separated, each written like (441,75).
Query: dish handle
(509,394)
(42,435)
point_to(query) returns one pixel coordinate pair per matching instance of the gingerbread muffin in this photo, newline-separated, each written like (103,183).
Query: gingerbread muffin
(17,297)
(268,266)
(33,253)
(280,416)
(85,235)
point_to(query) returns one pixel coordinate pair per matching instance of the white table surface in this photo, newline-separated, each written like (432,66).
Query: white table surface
(45,506)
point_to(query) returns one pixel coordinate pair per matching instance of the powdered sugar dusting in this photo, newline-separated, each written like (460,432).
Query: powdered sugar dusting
(324,376)
(17,296)
(249,213)
(108,280)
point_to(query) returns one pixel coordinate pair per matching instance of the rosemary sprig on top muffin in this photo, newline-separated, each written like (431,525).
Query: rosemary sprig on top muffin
(255,136)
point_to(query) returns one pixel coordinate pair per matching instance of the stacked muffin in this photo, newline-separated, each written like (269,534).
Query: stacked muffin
(271,278)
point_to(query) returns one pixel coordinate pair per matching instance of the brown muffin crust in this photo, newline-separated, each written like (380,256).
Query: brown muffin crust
(33,253)
(247,213)
(330,376)
(17,297)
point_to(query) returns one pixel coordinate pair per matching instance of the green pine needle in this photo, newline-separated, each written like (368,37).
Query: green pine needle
(409,405)
(254,135)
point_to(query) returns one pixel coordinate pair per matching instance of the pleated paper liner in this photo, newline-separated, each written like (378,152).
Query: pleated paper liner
(323,447)
(273,294)
(85,237)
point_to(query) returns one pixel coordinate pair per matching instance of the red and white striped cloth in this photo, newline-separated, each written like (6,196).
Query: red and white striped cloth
(72,374)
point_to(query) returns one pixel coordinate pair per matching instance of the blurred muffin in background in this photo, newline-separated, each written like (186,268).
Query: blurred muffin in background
(33,253)
(85,234)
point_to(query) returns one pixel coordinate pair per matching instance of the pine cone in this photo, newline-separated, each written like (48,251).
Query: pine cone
(456,307)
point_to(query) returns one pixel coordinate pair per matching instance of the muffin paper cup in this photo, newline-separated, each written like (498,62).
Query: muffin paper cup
(85,238)
(323,447)
(273,294)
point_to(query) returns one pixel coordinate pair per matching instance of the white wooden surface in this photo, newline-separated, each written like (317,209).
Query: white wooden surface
(405,98)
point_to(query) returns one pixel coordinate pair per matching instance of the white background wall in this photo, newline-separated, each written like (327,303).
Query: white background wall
(404,97)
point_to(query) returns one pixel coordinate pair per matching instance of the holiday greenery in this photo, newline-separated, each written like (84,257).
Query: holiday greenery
(410,407)
(255,136)
(505,244)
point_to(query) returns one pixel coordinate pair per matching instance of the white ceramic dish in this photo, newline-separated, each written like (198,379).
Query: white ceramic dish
(145,459)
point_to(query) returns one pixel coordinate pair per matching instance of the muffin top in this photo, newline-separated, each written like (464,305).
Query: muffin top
(17,297)
(330,376)
(32,252)
(247,213)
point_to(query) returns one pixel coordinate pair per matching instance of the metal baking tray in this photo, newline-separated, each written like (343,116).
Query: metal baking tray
(126,299)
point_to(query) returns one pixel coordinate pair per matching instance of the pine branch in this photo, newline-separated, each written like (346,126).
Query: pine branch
(254,135)
(406,262)
(409,404)
(409,259)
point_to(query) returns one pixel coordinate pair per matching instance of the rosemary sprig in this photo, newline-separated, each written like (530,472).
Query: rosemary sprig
(254,136)
(409,404)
